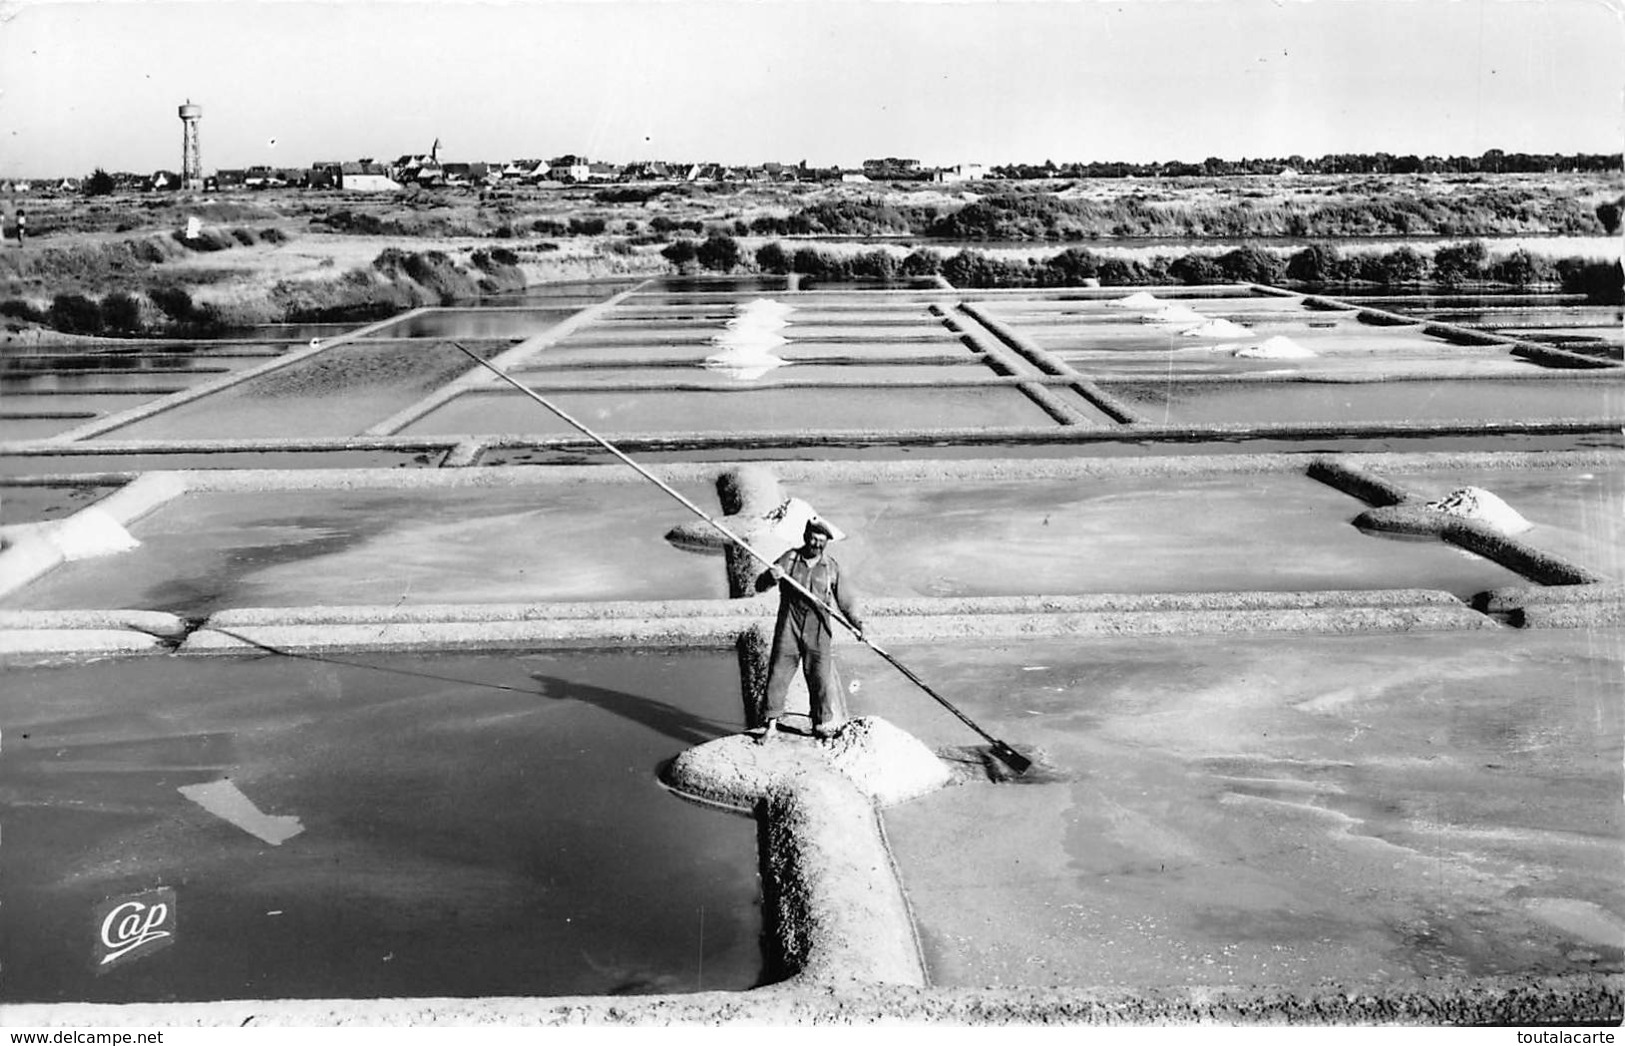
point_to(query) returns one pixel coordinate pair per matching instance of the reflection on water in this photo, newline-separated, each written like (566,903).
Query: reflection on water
(475,825)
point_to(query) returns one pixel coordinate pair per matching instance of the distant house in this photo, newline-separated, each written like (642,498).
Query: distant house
(230,178)
(466,173)
(646,171)
(324,174)
(569,168)
(892,167)
(262,177)
(366,176)
(852,178)
(602,172)
(781,172)
(421,168)
(963,172)
(524,170)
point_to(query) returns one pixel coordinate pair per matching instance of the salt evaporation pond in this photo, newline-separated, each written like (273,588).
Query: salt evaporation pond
(464,825)
(1345,810)
(31,504)
(513,323)
(36,464)
(800,373)
(748,410)
(1578,513)
(92,382)
(811,349)
(341,391)
(1279,532)
(1334,403)
(561,542)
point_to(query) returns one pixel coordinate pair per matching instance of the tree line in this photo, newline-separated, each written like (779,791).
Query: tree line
(1317,266)
(1491,161)
(1489,210)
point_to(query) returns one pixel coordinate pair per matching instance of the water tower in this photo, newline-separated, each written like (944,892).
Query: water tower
(191,155)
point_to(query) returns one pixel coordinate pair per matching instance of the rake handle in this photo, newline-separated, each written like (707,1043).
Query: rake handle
(1009,756)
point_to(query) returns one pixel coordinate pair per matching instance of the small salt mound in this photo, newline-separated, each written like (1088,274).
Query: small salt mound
(886,763)
(1173,314)
(749,340)
(1478,504)
(1276,348)
(1219,328)
(756,323)
(767,306)
(745,372)
(1137,300)
(89,533)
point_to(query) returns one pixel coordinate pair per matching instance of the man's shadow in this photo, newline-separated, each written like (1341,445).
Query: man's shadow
(659,716)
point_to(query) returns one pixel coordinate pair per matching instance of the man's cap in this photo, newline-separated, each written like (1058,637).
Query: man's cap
(818,526)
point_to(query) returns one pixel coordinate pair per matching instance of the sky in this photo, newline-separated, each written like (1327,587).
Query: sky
(96,83)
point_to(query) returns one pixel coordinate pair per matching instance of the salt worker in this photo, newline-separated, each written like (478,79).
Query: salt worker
(803,633)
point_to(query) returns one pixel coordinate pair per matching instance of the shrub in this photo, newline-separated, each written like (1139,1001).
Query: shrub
(1120,272)
(877,265)
(245,237)
(273,235)
(1317,263)
(587,226)
(1403,265)
(549,227)
(680,253)
(1459,264)
(173,302)
(18,309)
(207,240)
(99,183)
(1250,265)
(772,257)
(719,253)
(1522,269)
(1071,267)
(922,262)
(1196,268)
(1608,215)
(76,314)
(121,312)
(149,251)
(1601,282)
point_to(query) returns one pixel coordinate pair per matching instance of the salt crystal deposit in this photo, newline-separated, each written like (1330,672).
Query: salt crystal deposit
(1478,504)
(1137,300)
(1219,328)
(1173,314)
(90,532)
(886,763)
(1279,347)
(749,340)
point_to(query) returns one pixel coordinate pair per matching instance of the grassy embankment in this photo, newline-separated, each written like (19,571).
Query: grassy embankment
(123,266)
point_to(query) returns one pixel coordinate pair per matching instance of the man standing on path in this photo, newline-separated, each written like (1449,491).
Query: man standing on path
(22,226)
(803,631)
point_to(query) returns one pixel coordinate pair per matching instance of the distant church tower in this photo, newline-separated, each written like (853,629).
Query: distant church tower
(191,154)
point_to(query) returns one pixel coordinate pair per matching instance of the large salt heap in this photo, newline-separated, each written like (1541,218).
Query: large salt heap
(749,338)
(1218,328)
(1279,347)
(1476,503)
